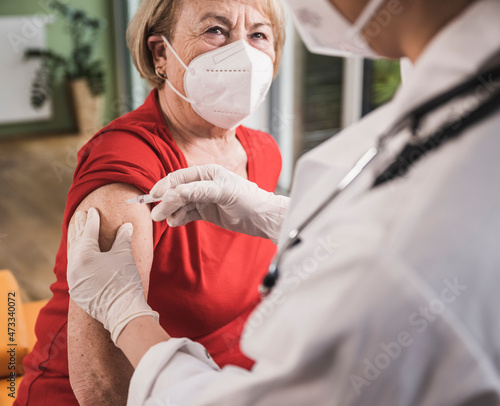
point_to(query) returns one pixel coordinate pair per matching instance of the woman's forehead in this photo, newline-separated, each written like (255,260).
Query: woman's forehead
(231,9)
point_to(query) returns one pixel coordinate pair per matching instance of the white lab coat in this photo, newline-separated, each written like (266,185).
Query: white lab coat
(392,296)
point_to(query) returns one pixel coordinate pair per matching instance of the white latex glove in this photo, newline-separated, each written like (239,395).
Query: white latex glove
(106,285)
(214,194)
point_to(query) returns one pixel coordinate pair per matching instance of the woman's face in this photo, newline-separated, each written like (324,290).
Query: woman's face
(204,25)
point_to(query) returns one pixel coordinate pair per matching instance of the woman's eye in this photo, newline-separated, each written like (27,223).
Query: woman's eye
(259,35)
(215,30)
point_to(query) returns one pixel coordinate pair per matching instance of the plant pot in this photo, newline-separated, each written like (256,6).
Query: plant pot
(88,108)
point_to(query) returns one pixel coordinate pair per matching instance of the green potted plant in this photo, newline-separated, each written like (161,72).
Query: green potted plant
(386,78)
(85,74)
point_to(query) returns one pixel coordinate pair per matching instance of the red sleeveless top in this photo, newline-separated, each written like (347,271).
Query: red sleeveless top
(204,279)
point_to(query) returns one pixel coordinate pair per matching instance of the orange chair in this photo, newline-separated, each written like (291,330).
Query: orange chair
(17,335)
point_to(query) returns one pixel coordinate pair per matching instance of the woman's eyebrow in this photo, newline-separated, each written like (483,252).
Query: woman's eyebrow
(261,24)
(221,19)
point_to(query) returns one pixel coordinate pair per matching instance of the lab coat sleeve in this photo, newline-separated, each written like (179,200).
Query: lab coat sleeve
(177,366)
(350,337)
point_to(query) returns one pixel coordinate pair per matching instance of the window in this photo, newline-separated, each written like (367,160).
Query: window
(321,98)
(132,89)
(382,79)
(319,95)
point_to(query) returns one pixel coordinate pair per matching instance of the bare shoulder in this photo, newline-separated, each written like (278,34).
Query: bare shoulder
(110,201)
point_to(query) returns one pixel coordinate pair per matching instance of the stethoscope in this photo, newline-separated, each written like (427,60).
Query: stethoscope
(417,147)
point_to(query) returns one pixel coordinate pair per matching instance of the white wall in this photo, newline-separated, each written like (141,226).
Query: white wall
(16,74)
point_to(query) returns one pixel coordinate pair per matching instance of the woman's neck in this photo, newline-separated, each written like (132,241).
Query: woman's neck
(200,142)
(185,124)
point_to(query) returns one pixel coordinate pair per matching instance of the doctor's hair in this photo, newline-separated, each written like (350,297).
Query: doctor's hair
(159,17)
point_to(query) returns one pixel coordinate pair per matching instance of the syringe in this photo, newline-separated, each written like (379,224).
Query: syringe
(143,199)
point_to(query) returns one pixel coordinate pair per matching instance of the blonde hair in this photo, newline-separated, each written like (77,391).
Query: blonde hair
(159,17)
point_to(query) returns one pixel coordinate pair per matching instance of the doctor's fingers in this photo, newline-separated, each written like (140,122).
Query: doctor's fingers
(86,229)
(80,220)
(195,192)
(185,176)
(184,215)
(123,240)
(167,207)
(71,236)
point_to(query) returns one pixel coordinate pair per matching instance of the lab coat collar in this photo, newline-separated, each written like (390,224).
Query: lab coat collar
(455,54)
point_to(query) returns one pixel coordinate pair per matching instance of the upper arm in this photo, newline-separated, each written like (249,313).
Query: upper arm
(110,201)
(99,372)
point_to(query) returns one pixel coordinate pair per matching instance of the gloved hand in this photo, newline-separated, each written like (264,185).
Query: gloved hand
(106,285)
(214,194)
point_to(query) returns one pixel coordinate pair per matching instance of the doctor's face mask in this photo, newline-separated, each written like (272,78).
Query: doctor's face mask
(226,85)
(326,31)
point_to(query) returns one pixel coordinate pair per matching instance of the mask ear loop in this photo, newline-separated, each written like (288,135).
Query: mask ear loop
(366,15)
(183,65)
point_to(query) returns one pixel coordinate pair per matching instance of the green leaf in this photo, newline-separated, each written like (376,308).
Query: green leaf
(83,30)
(386,81)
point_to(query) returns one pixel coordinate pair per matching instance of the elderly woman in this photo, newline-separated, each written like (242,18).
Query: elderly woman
(217,58)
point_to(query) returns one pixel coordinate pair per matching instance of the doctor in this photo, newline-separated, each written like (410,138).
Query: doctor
(387,284)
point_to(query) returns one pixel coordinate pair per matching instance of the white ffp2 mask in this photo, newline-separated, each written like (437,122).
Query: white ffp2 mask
(326,31)
(225,86)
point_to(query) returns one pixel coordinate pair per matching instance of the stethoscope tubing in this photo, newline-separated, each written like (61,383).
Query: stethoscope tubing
(410,120)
